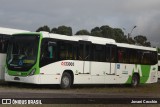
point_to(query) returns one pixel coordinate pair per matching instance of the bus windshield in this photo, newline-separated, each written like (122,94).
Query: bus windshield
(22,52)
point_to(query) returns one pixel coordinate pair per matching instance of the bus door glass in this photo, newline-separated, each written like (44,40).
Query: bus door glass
(84,55)
(48,52)
(111,59)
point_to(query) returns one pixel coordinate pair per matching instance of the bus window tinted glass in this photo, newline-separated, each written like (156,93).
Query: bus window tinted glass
(4,39)
(99,53)
(158,57)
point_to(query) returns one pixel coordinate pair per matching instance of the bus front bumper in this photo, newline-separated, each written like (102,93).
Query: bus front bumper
(34,79)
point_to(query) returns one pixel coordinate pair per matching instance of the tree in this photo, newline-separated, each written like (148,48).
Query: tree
(119,36)
(44,28)
(64,30)
(103,31)
(96,32)
(54,30)
(142,40)
(107,32)
(82,32)
(130,40)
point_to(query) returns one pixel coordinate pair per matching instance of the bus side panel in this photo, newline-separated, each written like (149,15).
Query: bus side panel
(82,73)
(53,72)
(147,73)
(124,72)
(98,71)
(2,65)
(152,75)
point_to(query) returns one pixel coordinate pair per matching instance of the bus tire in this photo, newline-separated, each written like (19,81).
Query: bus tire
(135,80)
(66,81)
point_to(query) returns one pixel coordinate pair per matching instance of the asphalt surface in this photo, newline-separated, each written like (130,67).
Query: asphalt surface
(70,93)
(71,96)
(43,97)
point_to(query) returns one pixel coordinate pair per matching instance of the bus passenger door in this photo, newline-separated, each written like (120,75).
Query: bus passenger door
(111,58)
(84,56)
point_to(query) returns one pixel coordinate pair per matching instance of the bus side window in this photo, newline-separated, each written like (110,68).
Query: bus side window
(1,43)
(153,60)
(112,55)
(107,54)
(99,53)
(87,52)
(52,50)
(158,57)
(48,52)
(81,52)
(120,55)
(66,50)
(75,50)
(4,39)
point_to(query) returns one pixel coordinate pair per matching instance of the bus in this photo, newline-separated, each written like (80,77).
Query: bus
(5,34)
(45,58)
(158,65)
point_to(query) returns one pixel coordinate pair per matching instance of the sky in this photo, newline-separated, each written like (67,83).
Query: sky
(84,14)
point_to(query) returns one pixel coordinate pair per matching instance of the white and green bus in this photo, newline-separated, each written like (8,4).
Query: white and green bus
(44,58)
(5,34)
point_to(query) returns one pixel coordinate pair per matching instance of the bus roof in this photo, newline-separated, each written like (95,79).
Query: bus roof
(10,31)
(135,46)
(96,40)
(59,36)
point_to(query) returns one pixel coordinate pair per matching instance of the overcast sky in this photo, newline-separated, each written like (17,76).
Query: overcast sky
(84,14)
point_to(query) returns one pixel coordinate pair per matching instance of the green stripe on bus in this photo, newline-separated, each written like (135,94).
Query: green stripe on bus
(145,73)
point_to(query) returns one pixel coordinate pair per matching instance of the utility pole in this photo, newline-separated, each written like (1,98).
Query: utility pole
(130,40)
(129,34)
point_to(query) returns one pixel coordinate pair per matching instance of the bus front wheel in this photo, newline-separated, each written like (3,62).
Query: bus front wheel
(65,81)
(135,80)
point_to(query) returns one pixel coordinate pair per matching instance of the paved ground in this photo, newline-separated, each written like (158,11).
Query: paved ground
(80,94)
(35,91)
(15,94)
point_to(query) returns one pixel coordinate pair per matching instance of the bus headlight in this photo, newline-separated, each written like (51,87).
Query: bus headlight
(32,72)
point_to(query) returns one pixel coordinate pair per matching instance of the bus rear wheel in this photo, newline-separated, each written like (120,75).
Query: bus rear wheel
(135,80)
(66,81)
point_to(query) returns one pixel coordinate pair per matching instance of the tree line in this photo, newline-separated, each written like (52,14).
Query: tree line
(104,31)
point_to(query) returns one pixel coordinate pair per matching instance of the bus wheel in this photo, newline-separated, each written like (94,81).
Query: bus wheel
(65,81)
(135,80)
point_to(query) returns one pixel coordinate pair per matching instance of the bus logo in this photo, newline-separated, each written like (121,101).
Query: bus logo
(67,63)
(20,62)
